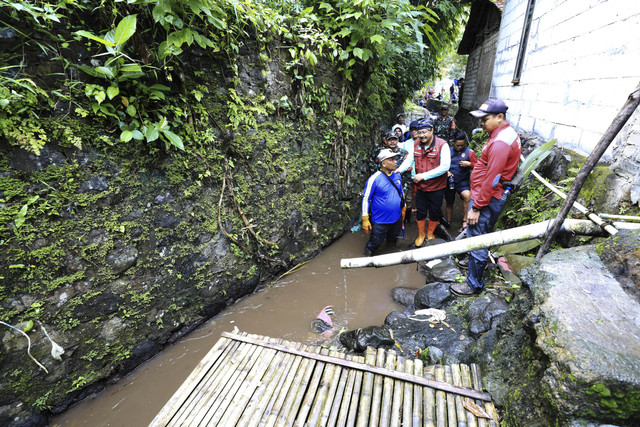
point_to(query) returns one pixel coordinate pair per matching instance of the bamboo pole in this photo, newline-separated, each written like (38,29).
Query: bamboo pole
(370,368)
(299,384)
(197,375)
(333,393)
(498,238)
(214,382)
(284,388)
(441,400)
(388,395)
(345,376)
(407,396)
(266,391)
(609,135)
(326,393)
(429,399)
(376,398)
(457,380)
(364,408)
(592,216)
(305,408)
(222,393)
(465,373)
(251,385)
(489,407)
(451,398)
(620,217)
(353,407)
(417,395)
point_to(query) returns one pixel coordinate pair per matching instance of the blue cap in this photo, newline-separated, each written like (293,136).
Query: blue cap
(424,124)
(490,106)
(413,124)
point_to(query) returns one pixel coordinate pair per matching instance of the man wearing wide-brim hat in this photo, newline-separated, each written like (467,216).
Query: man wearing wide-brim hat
(498,163)
(382,204)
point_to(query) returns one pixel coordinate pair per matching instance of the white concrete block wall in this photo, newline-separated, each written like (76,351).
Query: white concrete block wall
(582,61)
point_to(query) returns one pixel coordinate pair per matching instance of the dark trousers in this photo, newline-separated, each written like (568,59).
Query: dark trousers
(381,231)
(478,259)
(429,203)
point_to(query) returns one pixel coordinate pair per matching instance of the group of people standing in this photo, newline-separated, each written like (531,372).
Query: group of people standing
(434,164)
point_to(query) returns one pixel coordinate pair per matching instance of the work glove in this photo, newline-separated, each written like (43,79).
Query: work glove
(404,211)
(366,224)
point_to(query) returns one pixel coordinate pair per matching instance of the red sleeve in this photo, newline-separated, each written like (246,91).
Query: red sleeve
(472,158)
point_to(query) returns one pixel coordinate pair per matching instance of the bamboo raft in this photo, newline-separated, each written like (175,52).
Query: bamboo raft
(250,380)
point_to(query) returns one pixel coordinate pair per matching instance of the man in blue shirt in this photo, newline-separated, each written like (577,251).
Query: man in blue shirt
(462,161)
(382,204)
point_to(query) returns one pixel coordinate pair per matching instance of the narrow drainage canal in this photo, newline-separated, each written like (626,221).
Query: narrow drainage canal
(285,310)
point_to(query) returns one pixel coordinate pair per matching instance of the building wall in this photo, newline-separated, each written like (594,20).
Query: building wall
(582,61)
(477,81)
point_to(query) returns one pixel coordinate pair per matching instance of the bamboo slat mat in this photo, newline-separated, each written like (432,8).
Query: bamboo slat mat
(250,380)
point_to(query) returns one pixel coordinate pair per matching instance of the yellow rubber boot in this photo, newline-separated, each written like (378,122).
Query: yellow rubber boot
(432,227)
(421,236)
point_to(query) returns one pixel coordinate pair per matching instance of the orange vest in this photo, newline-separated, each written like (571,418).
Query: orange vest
(428,158)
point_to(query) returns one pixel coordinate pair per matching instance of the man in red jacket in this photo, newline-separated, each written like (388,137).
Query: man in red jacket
(498,163)
(432,158)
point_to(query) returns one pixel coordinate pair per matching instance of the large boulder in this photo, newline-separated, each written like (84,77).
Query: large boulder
(574,333)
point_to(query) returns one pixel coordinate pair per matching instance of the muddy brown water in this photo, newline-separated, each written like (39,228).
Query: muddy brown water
(285,310)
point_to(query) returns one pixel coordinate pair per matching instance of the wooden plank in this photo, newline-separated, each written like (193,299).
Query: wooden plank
(346,376)
(465,373)
(417,396)
(460,409)
(221,394)
(322,394)
(441,400)
(300,383)
(377,390)
(364,408)
(196,376)
(249,386)
(451,398)
(489,407)
(388,388)
(399,397)
(429,399)
(349,410)
(440,385)
(215,376)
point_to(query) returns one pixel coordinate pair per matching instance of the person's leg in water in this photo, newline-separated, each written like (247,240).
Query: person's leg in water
(378,234)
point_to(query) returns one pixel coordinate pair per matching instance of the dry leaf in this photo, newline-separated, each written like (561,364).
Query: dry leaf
(475,409)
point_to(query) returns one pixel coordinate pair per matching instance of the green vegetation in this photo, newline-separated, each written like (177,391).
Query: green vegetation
(248,114)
